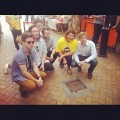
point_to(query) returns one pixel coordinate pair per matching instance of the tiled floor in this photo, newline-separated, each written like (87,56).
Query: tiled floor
(105,81)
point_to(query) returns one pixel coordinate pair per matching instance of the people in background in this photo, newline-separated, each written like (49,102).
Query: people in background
(98,25)
(24,69)
(15,27)
(66,46)
(50,44)
(85,53)
(39,24)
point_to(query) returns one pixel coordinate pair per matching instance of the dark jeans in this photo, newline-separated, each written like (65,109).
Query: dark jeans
(48,66)
(54,56)
(92,63)
(97,32)
(69,60)
(16,33)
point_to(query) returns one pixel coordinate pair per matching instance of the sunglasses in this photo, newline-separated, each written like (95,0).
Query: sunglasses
(29,42)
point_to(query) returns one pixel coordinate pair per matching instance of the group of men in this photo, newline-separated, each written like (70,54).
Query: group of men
(38,53)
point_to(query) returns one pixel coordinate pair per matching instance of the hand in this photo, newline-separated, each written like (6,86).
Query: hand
(42,68)
(60,58)
(114,27)
(39,82)
(81,63)
(51,58)
(64,61)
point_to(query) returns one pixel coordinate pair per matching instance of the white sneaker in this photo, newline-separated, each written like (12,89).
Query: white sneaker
(5,69)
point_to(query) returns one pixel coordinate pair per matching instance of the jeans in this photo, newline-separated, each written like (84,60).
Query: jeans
(69,60)
(93,63)
(16,33)
(97,32)
(48,66)
(54,56)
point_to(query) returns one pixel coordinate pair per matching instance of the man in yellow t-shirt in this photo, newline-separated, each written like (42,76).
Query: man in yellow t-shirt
(66,46)
(15,27)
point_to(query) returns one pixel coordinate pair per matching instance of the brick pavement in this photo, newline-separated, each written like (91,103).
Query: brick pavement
(105,81)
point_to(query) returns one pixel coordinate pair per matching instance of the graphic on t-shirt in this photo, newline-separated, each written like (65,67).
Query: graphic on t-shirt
(66,49)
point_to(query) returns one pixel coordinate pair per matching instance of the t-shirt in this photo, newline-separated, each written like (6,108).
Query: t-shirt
(50,43)
(38,51)
(20,59)
(13,21)
(64,46)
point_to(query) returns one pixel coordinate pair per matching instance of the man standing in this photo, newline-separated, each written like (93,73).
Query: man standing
(98,25)
(15,28)
(85,53)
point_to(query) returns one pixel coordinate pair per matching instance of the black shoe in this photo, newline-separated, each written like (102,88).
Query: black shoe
(24,94)
(79,69)
(89,75)
(61,66)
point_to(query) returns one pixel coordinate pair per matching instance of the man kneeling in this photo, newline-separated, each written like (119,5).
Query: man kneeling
(24,70)
(85,53)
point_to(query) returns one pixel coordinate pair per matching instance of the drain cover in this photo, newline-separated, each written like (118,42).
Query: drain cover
(75,86)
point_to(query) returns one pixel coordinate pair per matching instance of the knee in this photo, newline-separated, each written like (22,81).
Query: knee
(32,86)
(73,64)
(43,74)
(94,63)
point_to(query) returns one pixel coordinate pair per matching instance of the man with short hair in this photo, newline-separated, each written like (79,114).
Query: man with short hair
(85,53)
(50,44)
(24,69)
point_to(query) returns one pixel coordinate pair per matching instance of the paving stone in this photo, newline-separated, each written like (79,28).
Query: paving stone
(105,80)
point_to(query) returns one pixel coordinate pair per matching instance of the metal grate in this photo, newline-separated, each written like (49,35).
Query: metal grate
(75,86)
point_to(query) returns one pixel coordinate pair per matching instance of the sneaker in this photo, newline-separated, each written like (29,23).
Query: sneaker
(24,94)
(5,69)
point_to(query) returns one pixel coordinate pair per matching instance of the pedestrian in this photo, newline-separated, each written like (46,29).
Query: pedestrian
(15,27)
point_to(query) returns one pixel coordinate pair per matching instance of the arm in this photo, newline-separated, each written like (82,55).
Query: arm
(75,56)
(19,39)
(53,52)
(53,48)
(93,53)
(36,70)
(26,73)
(44,57)
(7,19)
(117,22)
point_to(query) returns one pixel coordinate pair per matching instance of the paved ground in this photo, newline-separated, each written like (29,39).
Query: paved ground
(105,81)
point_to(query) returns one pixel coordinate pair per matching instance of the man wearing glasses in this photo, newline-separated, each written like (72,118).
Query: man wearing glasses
(24,69)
